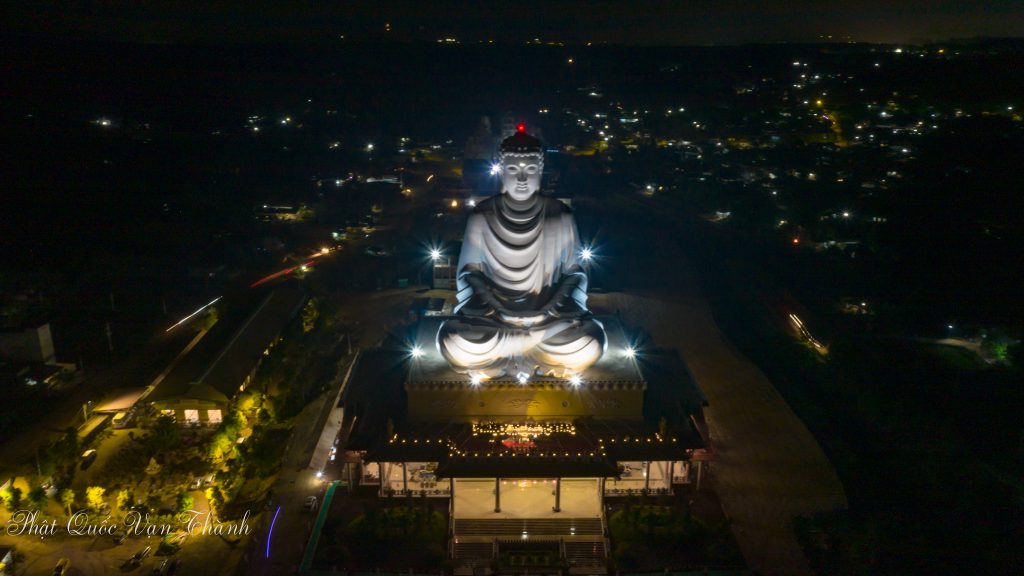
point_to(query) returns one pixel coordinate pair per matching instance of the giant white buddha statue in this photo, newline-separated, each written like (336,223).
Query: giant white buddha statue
(522,292)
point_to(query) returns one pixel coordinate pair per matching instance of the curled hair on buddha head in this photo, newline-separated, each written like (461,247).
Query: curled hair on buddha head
(522,145)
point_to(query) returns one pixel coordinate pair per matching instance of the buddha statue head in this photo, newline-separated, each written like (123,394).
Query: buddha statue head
(522,163)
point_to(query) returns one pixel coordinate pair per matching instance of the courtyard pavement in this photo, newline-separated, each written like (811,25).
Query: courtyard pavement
(768,467)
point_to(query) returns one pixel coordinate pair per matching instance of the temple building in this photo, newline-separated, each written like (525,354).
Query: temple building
(523,408)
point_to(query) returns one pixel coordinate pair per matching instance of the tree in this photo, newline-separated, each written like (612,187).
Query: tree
(310,312)
(221,447)
(11,497)
(64,452)
(125,499)
(207,320)
(247,401)
(47,461)
(67,498)
(94,498)
(37,498)
(216,499)
(185,502)
(164,435)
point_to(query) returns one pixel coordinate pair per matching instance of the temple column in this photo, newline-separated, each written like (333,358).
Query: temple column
(647,476)
(451,488)
(558,495)
(405,479)
(671,473)
(380,478)
(700,473)
(497,494)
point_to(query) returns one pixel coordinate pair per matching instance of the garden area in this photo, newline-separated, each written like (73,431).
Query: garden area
(659,536)
(366,535)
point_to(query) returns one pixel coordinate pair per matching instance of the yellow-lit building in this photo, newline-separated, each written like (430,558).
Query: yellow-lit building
(525,465)
(201,385)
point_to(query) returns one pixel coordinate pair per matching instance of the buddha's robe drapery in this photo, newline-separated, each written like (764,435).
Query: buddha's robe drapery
(522,293)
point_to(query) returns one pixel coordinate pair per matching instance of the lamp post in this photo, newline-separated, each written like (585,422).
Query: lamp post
(436,258)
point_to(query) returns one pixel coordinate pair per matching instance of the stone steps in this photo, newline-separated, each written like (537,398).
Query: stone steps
(584,553)
(516,527)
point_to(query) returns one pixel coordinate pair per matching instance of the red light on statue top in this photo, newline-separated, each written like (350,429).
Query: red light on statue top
(521,128)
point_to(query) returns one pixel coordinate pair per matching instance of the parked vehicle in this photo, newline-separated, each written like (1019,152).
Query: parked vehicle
(120,420)
(377,251)
(88,457)
(309,504)
(141,555)
(62,567)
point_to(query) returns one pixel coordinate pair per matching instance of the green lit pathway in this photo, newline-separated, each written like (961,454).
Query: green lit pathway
(314,538)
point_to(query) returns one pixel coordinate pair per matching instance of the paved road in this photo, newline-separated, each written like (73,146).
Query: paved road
(374,312)
(769,467)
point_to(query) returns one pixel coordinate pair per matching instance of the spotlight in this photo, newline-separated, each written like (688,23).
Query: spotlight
(586,254)
(475,379)
(523,377)
(495,169)
(630,352)
(435,254)
(575,380)
(417,352)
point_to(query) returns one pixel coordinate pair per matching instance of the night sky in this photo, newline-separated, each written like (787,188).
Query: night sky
(640,22)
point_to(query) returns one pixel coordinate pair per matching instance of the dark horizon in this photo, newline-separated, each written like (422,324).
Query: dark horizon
(726,23)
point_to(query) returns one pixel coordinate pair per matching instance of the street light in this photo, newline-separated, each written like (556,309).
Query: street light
(435,254)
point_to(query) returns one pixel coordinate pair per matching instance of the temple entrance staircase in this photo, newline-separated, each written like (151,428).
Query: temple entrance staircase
(529,545)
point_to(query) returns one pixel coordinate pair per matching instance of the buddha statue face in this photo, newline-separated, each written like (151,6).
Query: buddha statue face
(520,175)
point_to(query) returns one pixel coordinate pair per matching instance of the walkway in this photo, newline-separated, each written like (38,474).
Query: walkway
(314,539)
